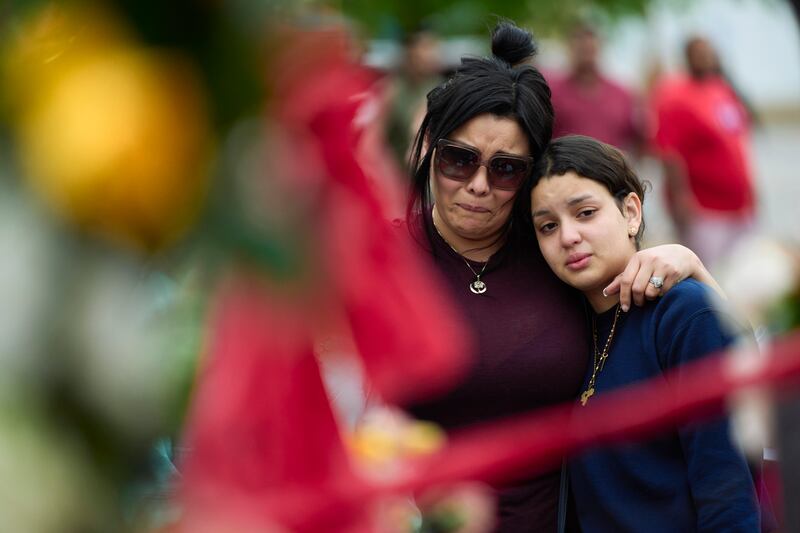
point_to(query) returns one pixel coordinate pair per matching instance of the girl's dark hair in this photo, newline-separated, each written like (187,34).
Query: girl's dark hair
(588,158)
(502,85)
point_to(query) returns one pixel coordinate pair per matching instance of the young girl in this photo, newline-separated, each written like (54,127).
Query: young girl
(586,205)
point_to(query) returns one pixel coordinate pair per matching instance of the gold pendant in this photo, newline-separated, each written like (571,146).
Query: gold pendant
(586,395)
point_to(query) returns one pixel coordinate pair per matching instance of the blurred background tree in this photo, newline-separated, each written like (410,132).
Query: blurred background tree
(394,18)
(388,18)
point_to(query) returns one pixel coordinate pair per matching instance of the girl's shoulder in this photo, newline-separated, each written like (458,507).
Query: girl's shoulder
(690,320)
(685,298)
(684,303)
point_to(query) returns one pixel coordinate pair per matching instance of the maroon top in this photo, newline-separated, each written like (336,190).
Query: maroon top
(532,352)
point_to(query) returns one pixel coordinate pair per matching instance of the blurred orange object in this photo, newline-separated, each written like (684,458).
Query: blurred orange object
(387,436)
(112,136)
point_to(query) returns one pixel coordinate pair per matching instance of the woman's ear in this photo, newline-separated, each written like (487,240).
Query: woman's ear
(632,210)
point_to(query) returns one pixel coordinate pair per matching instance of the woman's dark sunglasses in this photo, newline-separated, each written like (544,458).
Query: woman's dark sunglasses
(460,162)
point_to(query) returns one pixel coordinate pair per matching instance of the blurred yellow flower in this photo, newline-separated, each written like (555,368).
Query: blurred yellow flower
(112,136)
(387,435)
(422,438)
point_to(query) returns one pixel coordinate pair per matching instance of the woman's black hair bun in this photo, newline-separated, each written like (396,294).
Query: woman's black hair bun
(511,43)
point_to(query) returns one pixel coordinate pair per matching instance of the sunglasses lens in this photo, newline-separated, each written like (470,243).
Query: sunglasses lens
(508,172)
(456,163)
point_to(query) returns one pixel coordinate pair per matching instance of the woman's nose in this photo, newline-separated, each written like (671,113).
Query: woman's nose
(479,182)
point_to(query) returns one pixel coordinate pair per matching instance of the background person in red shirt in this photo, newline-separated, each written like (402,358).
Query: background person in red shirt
(701,130)
(586,102)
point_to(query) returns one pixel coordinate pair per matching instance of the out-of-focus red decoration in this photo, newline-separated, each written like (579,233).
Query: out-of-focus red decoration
(410,341)
(532,443)
(263,445)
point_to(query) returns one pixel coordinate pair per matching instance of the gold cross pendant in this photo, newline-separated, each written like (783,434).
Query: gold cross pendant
(586,395)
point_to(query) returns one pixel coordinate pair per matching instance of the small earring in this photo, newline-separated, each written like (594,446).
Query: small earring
(632,231)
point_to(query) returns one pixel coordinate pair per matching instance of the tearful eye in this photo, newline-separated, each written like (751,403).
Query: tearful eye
(510,172)
(455,162)
(547,228)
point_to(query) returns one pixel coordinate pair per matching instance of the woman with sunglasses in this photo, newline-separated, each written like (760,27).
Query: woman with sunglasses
(483,129)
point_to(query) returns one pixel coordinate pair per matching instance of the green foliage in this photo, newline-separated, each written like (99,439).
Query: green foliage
(393,18)
(785,315)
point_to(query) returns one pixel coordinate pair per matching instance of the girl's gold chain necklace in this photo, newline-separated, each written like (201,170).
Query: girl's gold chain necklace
(599,362)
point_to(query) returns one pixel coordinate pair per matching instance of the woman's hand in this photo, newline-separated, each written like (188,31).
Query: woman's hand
(670,262)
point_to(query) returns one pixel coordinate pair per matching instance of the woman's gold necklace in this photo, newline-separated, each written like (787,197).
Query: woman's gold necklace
(599,362)
(477,286)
